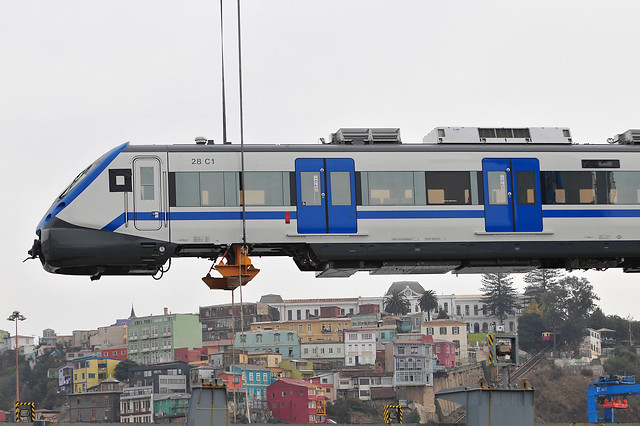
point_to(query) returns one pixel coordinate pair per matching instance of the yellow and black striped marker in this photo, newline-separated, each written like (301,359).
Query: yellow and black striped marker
(491,349)
(393,411)
(25,412)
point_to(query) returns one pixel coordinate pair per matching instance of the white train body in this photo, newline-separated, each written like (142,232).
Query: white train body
(341,207)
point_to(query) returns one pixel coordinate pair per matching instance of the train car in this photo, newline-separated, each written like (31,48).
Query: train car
(466,200)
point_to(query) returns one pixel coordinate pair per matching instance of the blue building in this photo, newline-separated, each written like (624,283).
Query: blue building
(284,342)
(255,381)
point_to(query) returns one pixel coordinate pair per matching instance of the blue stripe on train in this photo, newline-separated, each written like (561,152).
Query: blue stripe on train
(366,214)
(574,213)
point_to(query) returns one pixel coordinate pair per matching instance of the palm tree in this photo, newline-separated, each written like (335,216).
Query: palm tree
(396,303)
(428,302)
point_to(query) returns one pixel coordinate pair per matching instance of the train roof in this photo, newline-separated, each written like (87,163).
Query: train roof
(440,139)
(405,147)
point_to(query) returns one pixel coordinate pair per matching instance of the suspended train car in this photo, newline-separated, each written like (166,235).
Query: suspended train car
(466,200)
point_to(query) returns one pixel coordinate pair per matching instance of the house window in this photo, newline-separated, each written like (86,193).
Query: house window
(475,310)
(455,330)
(443,330)
(258,338)
(290,337)
(458,310)
(429,331)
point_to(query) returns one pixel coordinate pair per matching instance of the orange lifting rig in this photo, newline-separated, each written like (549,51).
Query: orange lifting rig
(237,270)
(615,403)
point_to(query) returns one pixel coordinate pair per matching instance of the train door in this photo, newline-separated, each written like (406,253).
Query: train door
(512,195)
(326,199)
(148,214)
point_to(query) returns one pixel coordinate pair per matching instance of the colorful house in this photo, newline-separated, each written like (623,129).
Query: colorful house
(284,342)
(88,372)
(117,352)
(296,401)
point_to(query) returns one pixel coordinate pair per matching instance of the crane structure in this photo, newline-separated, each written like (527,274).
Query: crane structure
(606,390)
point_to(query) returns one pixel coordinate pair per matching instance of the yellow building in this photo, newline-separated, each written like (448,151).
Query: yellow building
(309,329)
(89,372)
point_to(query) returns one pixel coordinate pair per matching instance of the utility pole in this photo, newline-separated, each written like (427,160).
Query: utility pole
(16,316)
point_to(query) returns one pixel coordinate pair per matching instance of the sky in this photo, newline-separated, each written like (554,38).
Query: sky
(78,78)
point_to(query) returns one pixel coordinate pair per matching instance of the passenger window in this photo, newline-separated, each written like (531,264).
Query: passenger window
(310,189)
(265,188)
(623,187)
(497,184)
(340,188)
(389,188)
(211,189)
(526,187)
(187,189)
(569,187)
(146,183)
(448,188)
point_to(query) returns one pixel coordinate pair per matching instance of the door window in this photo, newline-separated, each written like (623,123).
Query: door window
(311,194)
(526,187)
(497,183)
(340,188)
(146,183)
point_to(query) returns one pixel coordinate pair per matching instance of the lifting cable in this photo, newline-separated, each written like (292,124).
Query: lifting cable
(242,184)
(242,180)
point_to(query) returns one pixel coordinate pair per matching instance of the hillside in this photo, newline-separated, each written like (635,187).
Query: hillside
(562,396)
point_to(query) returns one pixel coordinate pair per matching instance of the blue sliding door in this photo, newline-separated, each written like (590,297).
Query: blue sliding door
(512,195)
(326,199)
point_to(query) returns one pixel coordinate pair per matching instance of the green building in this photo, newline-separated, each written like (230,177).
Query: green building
(171,406)
(154,338)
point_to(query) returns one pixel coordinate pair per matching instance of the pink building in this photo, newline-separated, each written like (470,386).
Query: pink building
(445,353)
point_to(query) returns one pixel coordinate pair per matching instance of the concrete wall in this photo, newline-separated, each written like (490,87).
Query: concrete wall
(463,376)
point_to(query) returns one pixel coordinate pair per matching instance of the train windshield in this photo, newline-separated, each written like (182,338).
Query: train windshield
(80,176)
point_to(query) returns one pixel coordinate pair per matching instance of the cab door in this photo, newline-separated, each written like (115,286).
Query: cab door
(326,201)
(148,212)
(512,195)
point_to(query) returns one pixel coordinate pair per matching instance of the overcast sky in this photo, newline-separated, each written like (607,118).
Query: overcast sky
(78,78)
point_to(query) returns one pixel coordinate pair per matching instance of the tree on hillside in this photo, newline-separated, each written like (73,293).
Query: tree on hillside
(539,281)
(597,319)
(396,303)
(624,361)
(530,329)
(428,302)
(567,305)
(581,297)
(121,371)
(499,294)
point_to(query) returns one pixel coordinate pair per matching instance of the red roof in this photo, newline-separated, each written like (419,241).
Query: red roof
(295,382)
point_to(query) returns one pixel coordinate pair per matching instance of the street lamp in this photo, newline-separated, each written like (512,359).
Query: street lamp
(16,316)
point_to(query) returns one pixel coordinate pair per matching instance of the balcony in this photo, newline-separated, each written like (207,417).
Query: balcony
(133,337)
(154,334)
